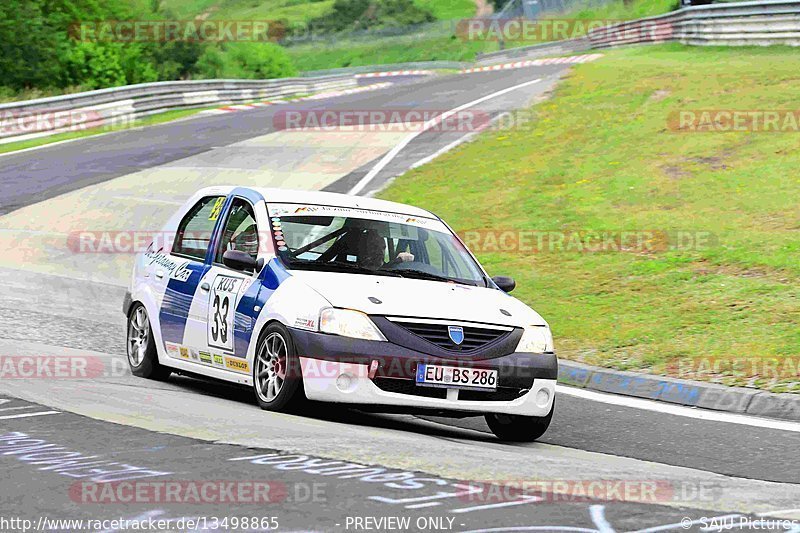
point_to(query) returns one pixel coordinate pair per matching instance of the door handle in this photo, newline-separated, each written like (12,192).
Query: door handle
(159,274)
(205,287)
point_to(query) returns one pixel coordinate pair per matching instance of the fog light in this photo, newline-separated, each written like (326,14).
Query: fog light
(344,382)
(542,397)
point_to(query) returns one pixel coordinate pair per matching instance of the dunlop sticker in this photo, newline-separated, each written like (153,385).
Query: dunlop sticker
(237,365)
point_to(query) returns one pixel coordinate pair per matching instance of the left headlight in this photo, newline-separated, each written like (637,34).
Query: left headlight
(536,339)
(349,323)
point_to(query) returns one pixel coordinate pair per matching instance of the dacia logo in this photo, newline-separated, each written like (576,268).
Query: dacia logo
(456,334)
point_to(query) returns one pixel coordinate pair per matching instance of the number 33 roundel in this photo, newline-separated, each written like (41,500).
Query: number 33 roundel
(223,299)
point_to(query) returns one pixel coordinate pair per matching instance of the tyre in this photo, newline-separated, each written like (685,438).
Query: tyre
(515,428)
(277,378)
(141,346)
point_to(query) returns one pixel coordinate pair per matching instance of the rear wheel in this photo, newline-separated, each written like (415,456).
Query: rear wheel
(141,346)
(277,380)
(515,428)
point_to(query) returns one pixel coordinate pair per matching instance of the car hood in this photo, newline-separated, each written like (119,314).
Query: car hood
(419,298)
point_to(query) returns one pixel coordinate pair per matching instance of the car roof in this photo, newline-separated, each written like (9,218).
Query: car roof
(291,196)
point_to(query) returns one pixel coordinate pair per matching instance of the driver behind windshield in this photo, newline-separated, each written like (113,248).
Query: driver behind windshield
(372,250)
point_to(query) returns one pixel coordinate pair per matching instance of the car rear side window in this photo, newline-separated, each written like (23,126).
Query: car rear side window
(195,230)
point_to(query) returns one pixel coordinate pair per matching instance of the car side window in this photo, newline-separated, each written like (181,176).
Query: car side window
(194,232)
(241,232)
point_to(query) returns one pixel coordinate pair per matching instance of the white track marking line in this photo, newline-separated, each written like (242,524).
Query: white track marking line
(56,143)
(458,142)
(779,512)
(523,500)
(444,150)
(422,505)
(679,410)
(598,514)
(4,409)
(28,415)
(385,160)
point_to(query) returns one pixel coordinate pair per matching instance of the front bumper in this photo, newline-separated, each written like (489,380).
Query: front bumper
(338,369)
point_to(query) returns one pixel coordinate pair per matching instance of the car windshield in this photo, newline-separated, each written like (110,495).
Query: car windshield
(349,240)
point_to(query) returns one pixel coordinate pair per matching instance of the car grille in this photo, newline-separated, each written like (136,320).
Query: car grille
(474,337)
(407,386)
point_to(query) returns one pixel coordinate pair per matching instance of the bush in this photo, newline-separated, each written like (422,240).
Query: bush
(28,45)
(36,50)
(248,60)
(92,66)
(98,65)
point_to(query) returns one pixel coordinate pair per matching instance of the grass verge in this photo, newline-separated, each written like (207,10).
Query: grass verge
(600,157)
(385,51)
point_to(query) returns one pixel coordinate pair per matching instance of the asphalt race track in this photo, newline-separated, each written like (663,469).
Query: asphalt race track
(338,469)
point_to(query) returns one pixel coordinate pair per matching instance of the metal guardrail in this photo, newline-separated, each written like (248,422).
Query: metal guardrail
(733,24)
(555,48)
(774,22)
(117,106)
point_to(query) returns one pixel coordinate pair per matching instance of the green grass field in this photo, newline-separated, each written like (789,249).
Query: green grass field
(619,10)
(449,9)
(343,53)
(384,51)
(346,53)
(601,157)
(294,10)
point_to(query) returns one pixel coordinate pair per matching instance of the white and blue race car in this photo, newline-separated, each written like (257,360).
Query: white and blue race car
(335,298)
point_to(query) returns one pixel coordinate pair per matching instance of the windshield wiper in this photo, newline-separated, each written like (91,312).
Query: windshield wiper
(420,274)
(340,266)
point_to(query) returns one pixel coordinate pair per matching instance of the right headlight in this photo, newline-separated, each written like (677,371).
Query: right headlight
(536,339)
(349,323)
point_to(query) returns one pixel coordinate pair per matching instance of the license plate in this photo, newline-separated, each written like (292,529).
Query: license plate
(455,377)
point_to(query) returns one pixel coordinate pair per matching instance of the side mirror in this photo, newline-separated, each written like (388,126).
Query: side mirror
(505,283)
(239,260)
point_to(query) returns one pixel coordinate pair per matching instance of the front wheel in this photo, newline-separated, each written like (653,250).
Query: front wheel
(277,380)
(515,428)
(141,347)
